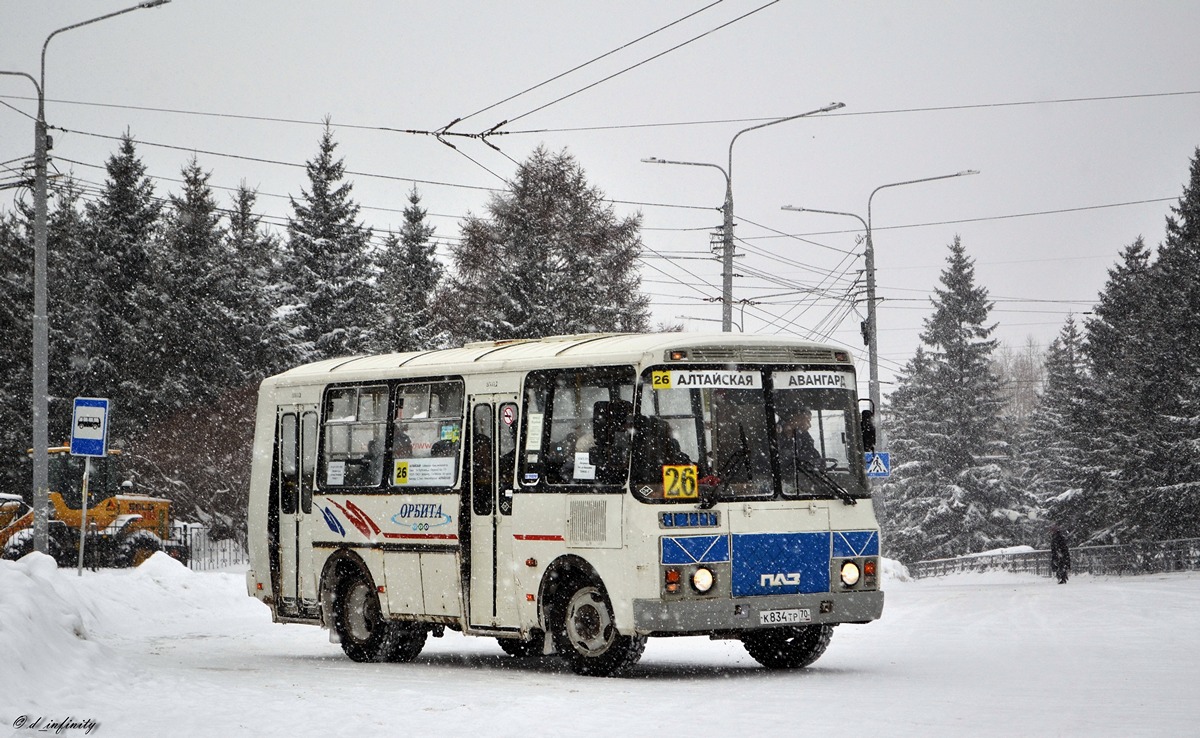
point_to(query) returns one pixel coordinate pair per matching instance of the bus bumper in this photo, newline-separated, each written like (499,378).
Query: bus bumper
(699,617)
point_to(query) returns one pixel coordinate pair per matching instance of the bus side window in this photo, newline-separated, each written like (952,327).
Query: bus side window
(355,429)
(289,464)
(569,439)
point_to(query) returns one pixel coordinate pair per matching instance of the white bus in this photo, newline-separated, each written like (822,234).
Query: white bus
(573,494)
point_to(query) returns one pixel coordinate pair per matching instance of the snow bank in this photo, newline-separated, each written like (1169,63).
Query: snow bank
(44,634)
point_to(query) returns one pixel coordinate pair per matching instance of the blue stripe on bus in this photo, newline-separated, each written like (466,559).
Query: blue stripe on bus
(855,543)
(695,549)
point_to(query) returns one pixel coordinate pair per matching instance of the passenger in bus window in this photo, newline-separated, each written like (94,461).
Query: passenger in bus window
(402,446)
(655,447)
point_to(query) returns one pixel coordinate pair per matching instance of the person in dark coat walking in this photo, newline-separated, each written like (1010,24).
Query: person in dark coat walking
(1060,554)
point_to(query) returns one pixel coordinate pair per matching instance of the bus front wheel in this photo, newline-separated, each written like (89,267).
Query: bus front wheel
(791,647)
(585,633)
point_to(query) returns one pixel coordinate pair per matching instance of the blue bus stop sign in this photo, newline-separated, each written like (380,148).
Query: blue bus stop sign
(879,464)
(89,427)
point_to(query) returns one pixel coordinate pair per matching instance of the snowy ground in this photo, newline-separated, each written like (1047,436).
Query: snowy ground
(164,651)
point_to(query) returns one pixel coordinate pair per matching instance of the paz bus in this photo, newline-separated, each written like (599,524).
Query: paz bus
(572,495)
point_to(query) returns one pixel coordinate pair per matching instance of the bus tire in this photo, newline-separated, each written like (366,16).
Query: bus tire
(359,624)
(791,647)
(585,633)
(519,648)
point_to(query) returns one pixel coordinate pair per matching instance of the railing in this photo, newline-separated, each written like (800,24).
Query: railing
(1131,558)
(207,554)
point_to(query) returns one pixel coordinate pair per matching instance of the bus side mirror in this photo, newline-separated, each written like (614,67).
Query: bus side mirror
(868,431)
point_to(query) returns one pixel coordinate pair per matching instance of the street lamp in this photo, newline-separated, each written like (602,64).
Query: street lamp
(727,209)
(872,338)
(41,330)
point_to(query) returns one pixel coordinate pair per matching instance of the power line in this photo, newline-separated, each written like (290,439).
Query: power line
(635,66)
(574,129)
(587,63)
(891,111)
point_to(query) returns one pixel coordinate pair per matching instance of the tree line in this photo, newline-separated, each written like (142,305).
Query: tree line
(176,308)
(1110,449)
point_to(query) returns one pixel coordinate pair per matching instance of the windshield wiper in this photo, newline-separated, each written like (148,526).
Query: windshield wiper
(823,479)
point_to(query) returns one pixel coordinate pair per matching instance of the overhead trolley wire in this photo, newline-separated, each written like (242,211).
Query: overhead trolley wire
(661,54)
(589,62)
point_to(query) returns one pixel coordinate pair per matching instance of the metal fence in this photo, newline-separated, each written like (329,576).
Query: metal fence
(1132,558)
(207,554)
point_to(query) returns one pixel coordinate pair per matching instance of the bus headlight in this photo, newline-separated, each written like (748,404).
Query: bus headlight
(702,580)
(850,573)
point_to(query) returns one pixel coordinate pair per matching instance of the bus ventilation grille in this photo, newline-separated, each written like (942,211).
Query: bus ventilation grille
(588,521)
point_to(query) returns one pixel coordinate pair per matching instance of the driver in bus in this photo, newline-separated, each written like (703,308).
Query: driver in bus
(796,447)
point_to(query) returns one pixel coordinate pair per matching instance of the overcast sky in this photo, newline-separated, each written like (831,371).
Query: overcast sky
(1080,116)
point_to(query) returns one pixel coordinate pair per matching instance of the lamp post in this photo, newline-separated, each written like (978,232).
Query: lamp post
(869,255)
(727,209)
(41,329)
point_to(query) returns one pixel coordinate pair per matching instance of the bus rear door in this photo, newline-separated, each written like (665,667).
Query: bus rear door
(295,455)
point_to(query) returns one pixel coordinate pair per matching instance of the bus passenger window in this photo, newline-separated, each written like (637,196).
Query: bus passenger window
(355,428)
(427,422)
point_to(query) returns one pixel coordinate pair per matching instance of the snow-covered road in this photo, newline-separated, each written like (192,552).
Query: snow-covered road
(170,652)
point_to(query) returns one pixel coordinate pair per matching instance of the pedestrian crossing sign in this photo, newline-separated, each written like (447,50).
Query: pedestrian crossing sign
(879,464)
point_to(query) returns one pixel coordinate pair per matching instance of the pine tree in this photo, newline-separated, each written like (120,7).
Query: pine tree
(552,258)
(114,280)
(332,296)
(1172,500)
(409,275)
(70,304)
(193,278)
(1059,457)
(255,331)
(959,498)
(1121,336)
(16,393)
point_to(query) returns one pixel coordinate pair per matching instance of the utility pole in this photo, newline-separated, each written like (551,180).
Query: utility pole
(727,209)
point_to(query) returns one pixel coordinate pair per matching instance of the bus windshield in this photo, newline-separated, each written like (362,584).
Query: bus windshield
(750,433)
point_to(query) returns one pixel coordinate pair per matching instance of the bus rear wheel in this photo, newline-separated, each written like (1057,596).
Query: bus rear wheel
(792,647)
(585,633)
(364,635)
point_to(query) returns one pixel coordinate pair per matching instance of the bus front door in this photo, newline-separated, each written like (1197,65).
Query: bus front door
(491,470)
(295,455)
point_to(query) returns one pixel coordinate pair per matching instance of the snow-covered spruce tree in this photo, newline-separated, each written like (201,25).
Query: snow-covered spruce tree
(332,304)
(962,499)
(552,258)
(911,503)
(16,310)
(194,279)
(256,334)
(71,314)
(409,274)
(1123,347)
(1171,505)
(113,278)
(1058,455)
(1159,481)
